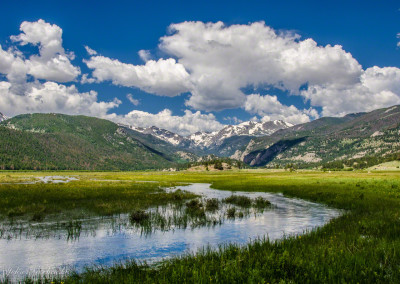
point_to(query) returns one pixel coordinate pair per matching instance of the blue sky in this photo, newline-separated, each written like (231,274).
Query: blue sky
(260,71)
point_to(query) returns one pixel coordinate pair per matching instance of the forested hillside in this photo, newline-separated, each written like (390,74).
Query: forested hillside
(356,140)
(62,142)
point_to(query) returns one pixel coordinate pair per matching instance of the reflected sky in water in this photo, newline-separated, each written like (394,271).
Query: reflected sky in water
(104,245)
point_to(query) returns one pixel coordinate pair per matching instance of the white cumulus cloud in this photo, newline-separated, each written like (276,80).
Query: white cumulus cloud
(52,97)
(377,88)
(144,55)
(271,109)
(52,63)
(224,59)
(216,63)
(189,123)
(24,93)
(163,77)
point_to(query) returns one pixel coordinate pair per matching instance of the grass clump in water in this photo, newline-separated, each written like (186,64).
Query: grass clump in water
(239,200)
(262,203)
(212,204)
(139,216)
(195,209)
(231,212)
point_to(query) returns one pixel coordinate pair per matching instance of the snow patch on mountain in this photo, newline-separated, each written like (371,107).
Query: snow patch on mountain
(207,139)
(3,117)
(163,134)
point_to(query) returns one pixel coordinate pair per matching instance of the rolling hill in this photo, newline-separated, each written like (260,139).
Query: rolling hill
(63,142)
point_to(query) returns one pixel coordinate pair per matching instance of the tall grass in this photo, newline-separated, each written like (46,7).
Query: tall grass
(80,199)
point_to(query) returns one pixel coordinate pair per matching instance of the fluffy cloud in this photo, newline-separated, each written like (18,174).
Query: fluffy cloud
(52,97)
(224,59)
(270,109)
(144,55)
(215,63)
(20,95)
(14,67)
(377,88)
(162,77)
(52,63)
(189,123)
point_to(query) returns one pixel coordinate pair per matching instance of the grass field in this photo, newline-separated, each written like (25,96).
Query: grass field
(363,245)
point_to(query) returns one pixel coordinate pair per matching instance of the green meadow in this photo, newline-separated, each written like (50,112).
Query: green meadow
(361,246)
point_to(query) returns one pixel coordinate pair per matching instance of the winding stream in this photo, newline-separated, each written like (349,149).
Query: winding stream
(104,241)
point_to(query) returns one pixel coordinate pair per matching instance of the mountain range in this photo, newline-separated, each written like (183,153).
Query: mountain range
(223,142)
(57,141)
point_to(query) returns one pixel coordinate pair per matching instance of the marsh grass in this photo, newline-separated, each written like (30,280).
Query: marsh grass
(83,198)
(212,204)
(239,200)
(139,216)
(361,246)
(262,203)
(231,212)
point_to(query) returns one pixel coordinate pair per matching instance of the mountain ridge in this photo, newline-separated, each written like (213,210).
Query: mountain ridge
(57,141)
(205,140)
(63,142)
(329,140)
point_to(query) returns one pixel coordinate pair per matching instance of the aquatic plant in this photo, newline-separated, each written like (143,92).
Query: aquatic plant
(212,204)
(138,216)
(238,200)
(262,203)
(230,213)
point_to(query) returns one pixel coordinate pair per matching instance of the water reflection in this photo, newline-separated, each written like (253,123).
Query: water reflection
(108,240)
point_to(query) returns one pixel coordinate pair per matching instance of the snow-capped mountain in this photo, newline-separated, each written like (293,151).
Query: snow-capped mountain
(248,128)
(3,117)
(166,135)
(208,139)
